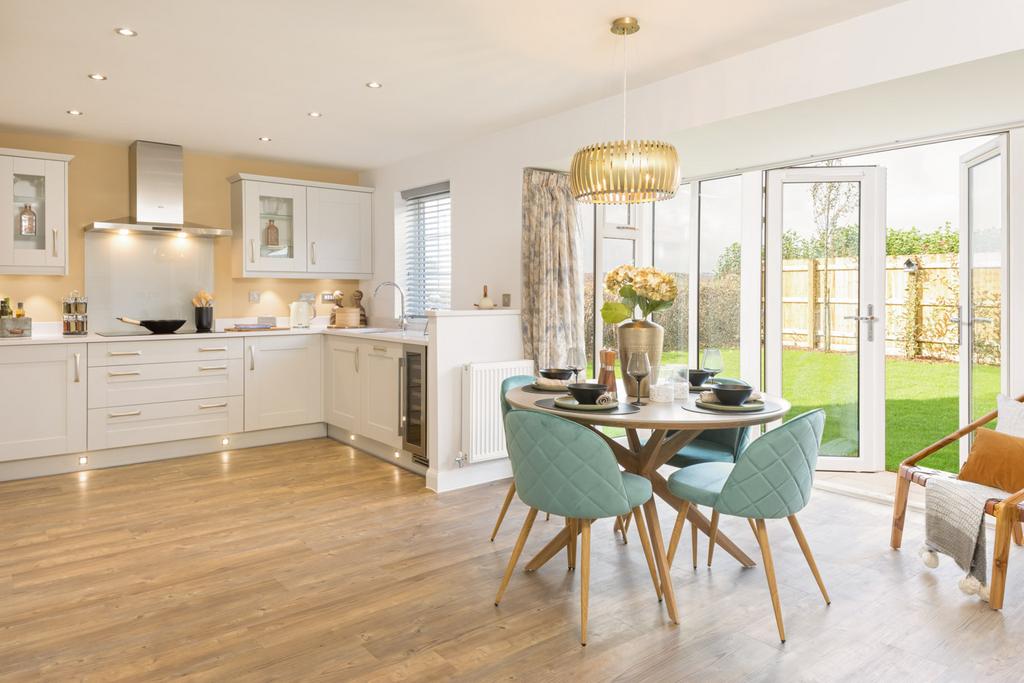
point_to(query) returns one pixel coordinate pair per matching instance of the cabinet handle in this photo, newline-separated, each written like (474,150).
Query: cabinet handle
(252,251)
(125,373)
(204,406)
(54,243)
(124,353)
(78,367)
(380,349)
(205,349)
(130,413)
(312,252)
(357,358)
(252,358)
(213,367)
(401,396)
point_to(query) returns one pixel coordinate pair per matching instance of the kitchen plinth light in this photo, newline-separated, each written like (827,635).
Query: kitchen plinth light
(83,460)
(74,112)
(126,32)
(397,454)
(123,232)
(97,77)
(351,437)
(225,441)
(374,85)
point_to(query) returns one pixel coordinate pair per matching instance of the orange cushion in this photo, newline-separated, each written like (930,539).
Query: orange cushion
(996,460)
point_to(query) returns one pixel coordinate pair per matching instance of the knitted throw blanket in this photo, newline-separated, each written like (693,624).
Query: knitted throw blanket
(955,522)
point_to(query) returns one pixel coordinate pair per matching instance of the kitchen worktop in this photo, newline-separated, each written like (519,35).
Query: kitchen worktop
(49,333)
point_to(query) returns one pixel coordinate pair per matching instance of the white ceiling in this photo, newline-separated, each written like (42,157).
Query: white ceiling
(214,75)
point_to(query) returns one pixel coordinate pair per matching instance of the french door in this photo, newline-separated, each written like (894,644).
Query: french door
(983,278)
(825,305)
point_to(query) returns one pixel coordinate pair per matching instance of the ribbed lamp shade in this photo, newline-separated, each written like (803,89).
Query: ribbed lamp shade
(624,172)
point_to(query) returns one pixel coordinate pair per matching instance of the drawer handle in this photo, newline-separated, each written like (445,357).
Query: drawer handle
(124,353)
(213,367)
(130,413)
(206,349)
(380,349)
(125,373)
(205,406)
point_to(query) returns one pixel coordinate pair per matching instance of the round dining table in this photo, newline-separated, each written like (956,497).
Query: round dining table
(672,426)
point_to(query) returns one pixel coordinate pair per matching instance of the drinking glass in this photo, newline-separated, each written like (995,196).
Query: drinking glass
(638,368)
(713,361)
(576,361)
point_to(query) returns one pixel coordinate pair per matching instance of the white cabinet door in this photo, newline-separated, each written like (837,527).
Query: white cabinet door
(275,227)
(37,190)
(44,401)
(339,231)
(342,392)
(282,381)
(380,378)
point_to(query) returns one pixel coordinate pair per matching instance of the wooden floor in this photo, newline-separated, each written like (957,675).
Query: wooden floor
(313,561)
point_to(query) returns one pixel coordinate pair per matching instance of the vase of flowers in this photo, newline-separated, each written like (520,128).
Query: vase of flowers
(649,290)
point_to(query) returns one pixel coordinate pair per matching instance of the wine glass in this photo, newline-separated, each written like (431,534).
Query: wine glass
(713,361)
(576,361)
(638,368)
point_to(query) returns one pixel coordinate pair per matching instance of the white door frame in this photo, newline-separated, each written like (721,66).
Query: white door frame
(993,149)
(871,378)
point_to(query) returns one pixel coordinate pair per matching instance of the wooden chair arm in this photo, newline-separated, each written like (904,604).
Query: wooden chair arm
(953,438)
(1013,501)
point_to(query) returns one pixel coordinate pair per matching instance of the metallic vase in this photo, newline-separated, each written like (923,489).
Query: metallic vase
(640,335)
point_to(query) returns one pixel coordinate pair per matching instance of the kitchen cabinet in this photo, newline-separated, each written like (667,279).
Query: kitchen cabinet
(300,229)
(34,227)
(43,401)
(282,381)
(363,393)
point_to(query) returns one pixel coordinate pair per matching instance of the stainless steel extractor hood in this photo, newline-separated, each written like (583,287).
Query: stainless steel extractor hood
(156,195)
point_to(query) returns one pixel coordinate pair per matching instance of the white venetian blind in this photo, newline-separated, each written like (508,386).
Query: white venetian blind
(427,250)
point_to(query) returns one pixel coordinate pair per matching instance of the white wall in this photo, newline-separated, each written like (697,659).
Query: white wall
(897,42)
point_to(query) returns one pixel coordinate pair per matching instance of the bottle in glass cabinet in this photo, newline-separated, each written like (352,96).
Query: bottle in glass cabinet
(273,234)
(19,312)
(27,220)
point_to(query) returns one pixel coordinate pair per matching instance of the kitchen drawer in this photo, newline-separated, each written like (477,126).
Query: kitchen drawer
(137,352)
(157,422)
(122,385)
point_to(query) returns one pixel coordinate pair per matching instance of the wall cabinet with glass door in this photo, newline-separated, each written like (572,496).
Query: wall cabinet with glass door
(33,232)
(300,229)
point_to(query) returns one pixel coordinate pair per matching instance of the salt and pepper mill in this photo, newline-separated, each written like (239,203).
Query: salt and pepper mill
(606,375)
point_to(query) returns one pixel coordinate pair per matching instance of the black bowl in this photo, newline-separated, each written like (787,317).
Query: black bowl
(699,377)
(732,394)
(586,393)
(556,373)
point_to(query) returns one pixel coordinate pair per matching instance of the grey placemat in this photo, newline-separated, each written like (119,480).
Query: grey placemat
(530,389)
(770,406)
(622,409)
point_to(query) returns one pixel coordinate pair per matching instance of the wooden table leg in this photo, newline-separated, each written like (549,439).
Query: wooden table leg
(560,541)
(654,528)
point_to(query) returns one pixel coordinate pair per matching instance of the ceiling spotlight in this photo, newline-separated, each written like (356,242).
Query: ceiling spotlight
(263,138)
(126,32)
(314,114)
(74,112)
(97,77)
(374,85)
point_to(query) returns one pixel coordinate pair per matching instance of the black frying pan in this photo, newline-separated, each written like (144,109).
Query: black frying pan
(156,326)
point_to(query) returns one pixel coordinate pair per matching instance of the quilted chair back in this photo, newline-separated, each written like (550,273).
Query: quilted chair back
(773,478)
(563,468)
(507,385)
(734,438)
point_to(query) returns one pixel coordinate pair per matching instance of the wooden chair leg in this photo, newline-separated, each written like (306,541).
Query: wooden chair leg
(1005,521)
(713,535)
(899,511)
(658,543)
(584,579)
(752,527)
(547,516)
(677,531)
(626,523)
(806,548)
(645,541)
(769,572)
(504,508)
(517,550)
(570,548)
(693,543)
(1018,533)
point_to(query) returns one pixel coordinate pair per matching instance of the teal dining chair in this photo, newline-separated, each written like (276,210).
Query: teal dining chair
(771,480)
(507,385)
(564,468)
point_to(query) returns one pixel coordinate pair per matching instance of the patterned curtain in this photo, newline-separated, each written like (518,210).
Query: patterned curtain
(552,311)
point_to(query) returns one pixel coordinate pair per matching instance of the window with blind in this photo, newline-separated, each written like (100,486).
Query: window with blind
(426,253)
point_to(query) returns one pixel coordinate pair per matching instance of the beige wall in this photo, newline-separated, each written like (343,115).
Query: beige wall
(98,190)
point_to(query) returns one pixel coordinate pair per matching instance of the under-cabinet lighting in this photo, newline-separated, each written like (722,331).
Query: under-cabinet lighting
(74,112)
(126,32)
(263,138)
(97,77)
(374,85)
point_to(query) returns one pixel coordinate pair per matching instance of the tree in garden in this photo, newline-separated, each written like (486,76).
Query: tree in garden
(831,203)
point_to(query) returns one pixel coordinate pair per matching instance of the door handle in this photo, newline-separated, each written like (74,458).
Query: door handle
(125,373)
(252,358)
(312,252)
(205,406)
(401,396)
(357,358)
(78,367)
(870,319)
(54,243)
(252,251)
(130,413)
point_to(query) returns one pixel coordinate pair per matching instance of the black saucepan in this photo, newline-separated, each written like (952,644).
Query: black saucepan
(156,326)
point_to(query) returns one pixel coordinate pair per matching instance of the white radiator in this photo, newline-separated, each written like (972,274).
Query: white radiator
(483,433)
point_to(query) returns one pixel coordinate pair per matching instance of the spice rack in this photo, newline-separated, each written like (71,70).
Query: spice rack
(75,314)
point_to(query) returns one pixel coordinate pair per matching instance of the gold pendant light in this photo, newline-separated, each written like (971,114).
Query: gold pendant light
(624,171)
